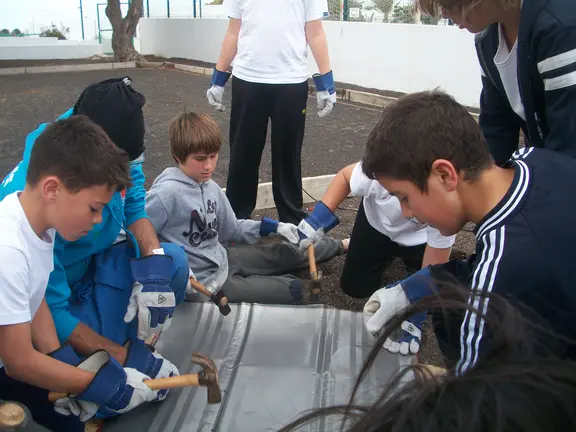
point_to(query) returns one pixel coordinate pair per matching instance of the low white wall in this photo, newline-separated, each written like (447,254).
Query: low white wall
(65,49)
(396,57)
(27,41)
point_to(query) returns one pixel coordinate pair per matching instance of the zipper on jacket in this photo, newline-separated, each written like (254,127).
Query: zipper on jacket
(203,202)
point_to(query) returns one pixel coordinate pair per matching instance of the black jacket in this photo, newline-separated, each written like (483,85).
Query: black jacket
(546,77)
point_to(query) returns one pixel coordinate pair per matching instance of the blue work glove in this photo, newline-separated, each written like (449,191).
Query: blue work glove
(152,299)
(114,389)
(325,93)
(287,231)
(312,229)
(215,93)
(145,359)
(65,354)
(387,302)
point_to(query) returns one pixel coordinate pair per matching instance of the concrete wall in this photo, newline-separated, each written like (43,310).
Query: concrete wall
(47,48)
(396,57)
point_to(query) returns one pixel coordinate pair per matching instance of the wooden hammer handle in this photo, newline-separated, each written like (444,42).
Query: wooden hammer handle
(155,384)
(198,286)
(312,262)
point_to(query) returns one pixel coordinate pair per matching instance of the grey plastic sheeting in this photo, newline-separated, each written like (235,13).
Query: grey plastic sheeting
(274,363)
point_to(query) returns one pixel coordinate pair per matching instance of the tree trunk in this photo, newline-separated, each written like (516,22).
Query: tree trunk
(124,29)
(416,15)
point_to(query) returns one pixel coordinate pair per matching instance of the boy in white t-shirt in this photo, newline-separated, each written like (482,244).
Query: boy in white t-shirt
(268,41)
(380,232)
(73,172)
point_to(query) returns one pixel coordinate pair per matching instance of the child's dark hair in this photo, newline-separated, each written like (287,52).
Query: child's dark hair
(193,133)
(519,386)
(80,154)
(419,129)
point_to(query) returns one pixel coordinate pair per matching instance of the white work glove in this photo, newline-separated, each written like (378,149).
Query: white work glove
(215,95)
(288,231)
(383,305)
(325,93)
(325,102)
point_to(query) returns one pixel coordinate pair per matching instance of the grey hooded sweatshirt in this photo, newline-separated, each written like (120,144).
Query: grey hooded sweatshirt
(198,216)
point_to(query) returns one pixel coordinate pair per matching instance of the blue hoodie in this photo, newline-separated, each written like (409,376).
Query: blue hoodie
(71,259)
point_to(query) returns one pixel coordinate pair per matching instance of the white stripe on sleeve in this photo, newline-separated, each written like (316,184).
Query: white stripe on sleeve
(472,328)
(560,82)
(557,61)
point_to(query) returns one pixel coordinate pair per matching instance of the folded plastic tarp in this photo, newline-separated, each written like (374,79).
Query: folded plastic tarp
(274,363)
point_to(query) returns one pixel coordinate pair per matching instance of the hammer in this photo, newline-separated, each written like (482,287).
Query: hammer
(219,299)
(207,378)
(315,276)
(12,416)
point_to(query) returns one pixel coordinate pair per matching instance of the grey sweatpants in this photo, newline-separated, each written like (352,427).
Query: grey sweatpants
(261,274)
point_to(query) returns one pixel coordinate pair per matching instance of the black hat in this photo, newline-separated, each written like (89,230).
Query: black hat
(117,108)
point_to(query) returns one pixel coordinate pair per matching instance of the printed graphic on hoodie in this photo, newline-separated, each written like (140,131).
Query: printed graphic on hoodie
(202,227)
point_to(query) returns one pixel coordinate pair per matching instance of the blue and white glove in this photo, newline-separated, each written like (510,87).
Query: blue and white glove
(215,93)
(65,354)
(325,93)
(146,360)
(388,301)
(287,231)
(312,229)
(114,389)
(152,299)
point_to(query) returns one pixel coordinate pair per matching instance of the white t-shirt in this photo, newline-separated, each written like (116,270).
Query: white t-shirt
(26,262)
(507,64)
(272,46)
(384,214)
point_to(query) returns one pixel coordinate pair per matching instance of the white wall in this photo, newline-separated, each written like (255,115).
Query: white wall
(51,48)
(197,39)
(396,57)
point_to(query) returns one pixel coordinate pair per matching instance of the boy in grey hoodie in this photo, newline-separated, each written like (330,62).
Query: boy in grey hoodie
(188,208)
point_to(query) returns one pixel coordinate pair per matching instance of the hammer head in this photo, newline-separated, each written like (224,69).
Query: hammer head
(315,286)
(208,377)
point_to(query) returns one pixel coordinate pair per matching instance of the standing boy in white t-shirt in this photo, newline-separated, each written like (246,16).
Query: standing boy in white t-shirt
(380,232)
(268,41)
(73,172)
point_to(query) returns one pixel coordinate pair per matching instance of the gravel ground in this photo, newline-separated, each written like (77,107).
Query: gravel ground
(29,100)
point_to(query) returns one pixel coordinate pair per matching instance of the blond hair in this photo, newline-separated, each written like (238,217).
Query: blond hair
(434,7)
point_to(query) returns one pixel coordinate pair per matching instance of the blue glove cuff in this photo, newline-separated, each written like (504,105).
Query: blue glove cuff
(152,268)
(107,381)
(268,226)
(325,82)
(418,285)
(140,357)
(65,354)
(219,78)
(323,217)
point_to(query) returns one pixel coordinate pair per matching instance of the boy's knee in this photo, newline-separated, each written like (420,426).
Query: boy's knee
(180,269)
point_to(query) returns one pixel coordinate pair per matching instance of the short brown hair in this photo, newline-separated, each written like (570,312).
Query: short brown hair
(419,129)
(80,154)
(193,133)
(433,7)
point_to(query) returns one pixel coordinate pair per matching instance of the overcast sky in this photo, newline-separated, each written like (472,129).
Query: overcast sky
(32,15)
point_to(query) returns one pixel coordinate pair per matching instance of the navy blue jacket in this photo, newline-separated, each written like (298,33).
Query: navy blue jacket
(546,77)
(525,253)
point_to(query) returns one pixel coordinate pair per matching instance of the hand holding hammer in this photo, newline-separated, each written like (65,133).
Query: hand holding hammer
(207,378)
(217,297)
